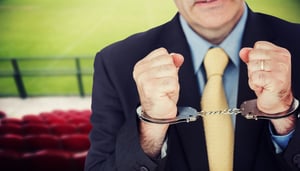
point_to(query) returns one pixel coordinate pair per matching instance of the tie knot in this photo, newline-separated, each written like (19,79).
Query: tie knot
(215,62)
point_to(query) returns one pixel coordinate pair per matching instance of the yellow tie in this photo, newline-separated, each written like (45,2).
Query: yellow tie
(218,128)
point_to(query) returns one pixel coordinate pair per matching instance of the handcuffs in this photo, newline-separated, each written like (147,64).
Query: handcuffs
(248,110)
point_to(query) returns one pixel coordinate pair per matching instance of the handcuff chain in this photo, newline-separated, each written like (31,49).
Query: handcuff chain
(248,110)
(232,111)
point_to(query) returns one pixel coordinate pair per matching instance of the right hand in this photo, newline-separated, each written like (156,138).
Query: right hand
(156,77)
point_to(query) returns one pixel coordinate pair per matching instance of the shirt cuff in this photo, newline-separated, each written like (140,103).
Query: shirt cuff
(163,152)
(280,141)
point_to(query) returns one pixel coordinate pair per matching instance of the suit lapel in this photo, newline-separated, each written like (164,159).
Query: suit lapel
(248,132)
(191,135)
(195,147)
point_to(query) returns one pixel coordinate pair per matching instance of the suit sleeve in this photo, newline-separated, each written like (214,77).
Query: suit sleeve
(292,153)
(114,137)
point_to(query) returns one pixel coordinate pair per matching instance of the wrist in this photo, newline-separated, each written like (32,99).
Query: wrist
(284,126)
(152,137)
(250,111)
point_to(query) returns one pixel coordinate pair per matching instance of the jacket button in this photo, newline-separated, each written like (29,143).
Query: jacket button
(296,160)
(143,168)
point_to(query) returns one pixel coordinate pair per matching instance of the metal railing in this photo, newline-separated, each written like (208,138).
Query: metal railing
(74,68)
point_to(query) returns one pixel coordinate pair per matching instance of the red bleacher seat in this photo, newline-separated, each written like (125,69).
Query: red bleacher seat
(62,129)
(12,142)
(49,160)
(75,142)
(55,140)
(42,142)
(11,121)
(52,119)
(78,120)
(79,160)
(31,118)
(86,113)
(11,160)
(34,128)
(84,128)
(10,128)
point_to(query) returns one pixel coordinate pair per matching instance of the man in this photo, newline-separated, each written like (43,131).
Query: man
(162,68)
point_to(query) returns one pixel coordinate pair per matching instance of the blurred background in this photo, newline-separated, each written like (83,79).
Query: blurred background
(54,42)
(46,65)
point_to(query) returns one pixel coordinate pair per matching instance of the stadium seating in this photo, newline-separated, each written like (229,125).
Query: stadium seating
(75,142)
(55,140)
(42,141)
(84,128)
(48,160)
(32,119)
(12,142)
(53,119)
(63,129)
(78,120)
(11,160)
(11,128)
(11,121)
(36,128)
(78,160)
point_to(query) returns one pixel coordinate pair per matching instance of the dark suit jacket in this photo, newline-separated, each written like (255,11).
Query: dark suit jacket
(115,138)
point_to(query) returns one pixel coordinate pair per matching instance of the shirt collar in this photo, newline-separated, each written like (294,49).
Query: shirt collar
(231,44)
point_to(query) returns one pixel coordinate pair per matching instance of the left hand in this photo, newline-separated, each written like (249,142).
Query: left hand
(269,72)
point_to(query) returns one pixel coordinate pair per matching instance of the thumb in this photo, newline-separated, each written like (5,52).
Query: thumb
(177,59)
(244,54)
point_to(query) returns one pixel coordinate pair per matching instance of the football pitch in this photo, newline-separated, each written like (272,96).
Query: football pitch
(76,28)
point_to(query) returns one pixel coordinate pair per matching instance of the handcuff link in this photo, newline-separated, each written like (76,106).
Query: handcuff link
(248,110)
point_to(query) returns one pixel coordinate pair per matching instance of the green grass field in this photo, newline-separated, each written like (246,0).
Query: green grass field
(76,28)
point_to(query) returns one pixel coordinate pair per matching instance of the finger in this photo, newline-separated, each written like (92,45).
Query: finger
(267,66)
(177,59)
(152,61)
(258,81)
(152,55)
(158,67)
(260,54)
(265,80)
(155,53)
(261,65)
(163,86)
(165,58)
(155,58)
(268,60)
(167,69)
(264,45)
(244,54)
(157,73)
(267,50)
(259,51)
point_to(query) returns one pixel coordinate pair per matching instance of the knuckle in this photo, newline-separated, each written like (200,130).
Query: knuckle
(257,78)
(162,50)
(285,54)
(259,44)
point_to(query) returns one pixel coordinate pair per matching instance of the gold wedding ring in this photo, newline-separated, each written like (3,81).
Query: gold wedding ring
(262,65)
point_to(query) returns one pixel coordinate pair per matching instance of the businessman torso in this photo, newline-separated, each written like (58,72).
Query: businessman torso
(115,89)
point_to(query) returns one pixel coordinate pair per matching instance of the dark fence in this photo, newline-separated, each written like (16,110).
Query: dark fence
(18,68)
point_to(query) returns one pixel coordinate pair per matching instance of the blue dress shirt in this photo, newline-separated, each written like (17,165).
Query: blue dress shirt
(232,46)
